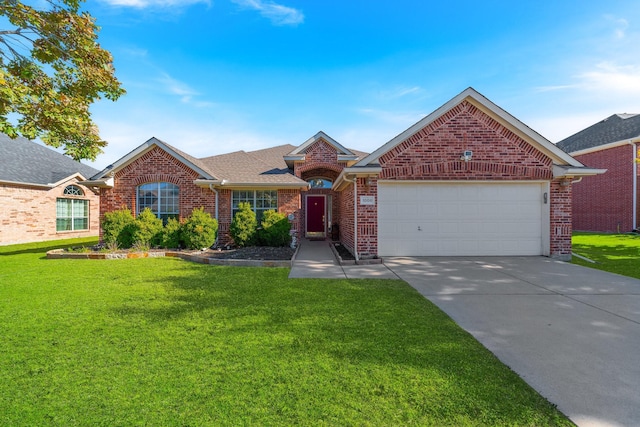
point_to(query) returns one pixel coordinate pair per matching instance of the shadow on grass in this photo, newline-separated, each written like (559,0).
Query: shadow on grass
(43,248)
(377,334)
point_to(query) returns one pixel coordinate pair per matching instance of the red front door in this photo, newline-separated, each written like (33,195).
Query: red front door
(315,215)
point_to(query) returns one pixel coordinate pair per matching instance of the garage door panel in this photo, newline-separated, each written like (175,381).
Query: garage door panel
(460,219)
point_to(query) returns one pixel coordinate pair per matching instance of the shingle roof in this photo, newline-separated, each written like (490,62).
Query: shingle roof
(265,166)
(615,128)
(25,161)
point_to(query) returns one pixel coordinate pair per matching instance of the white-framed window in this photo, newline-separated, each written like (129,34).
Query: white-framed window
(259,200)
(163,198)
(72,214)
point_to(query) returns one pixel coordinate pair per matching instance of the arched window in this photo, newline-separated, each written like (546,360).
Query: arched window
(320,182)
(73,190)
(163,198)
(72,214)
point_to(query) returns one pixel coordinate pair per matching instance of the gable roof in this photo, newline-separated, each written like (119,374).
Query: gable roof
(25,162)
(615,128)
(344,154)
(501,116)
(260,168)
(185,158)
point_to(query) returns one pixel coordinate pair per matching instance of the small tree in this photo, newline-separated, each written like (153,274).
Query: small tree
(243,226)
(117,228)
(199,230)
(275,229)
(147,229)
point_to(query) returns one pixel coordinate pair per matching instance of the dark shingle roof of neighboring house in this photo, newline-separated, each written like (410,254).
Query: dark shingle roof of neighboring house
(615,128)
(24,161)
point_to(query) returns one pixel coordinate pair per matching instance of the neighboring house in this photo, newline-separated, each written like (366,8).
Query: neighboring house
(608,202)
(40,196)
(468,179)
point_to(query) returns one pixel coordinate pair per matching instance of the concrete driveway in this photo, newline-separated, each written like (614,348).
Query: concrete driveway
(572,333)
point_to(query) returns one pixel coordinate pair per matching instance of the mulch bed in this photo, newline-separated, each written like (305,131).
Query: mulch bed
(252,253)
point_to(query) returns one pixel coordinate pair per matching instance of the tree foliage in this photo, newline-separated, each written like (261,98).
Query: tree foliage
(51,70)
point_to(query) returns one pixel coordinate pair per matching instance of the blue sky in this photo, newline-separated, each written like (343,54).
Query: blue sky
(214,76)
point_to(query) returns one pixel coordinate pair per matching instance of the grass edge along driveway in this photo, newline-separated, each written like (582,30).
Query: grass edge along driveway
(615,253)
(168,342)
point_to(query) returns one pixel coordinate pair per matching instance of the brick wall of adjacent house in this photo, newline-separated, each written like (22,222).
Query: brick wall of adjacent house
(156,166)
(434,153)
(605,202)
(28,214)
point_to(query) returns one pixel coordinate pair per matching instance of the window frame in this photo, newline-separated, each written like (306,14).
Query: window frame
(161,205)
(254,200)
(71,219)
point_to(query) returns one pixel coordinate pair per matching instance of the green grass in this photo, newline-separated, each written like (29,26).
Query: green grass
(616,253)
(168,342)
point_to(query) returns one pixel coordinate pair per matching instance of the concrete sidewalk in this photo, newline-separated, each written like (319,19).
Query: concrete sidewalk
(315,259)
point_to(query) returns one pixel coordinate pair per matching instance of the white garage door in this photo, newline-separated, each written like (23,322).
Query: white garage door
(458,219)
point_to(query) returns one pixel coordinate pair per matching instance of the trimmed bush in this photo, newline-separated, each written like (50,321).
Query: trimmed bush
(199,230)
(117,228)
(147,229)
(243,226)
(171,235)
(275,230)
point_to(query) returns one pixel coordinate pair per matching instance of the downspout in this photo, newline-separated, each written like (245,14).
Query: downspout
(635,184)
(355,215)
(216,193)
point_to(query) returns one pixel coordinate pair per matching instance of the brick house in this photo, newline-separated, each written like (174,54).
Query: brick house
(40,196)
(468,179)
(609,202)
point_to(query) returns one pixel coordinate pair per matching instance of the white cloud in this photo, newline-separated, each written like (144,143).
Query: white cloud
(186,93)
(140,4)
(276,13)
(620,26)
(609,77)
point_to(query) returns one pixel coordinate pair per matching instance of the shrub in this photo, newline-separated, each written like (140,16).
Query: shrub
(275,230)
(171,235)
(117,228)
(199,230)
(147,229)
(243,226)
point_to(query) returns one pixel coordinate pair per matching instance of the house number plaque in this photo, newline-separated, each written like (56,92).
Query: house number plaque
(367,200)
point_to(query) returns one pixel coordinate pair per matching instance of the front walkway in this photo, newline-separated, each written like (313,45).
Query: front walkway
(315,259)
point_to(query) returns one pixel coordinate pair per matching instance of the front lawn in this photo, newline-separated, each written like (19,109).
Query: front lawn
(616,253)
(168,342)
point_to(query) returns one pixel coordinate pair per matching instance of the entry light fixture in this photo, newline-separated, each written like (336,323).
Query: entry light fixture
(466,156)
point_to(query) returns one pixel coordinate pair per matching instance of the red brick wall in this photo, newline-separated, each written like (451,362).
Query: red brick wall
(434,153)
(28,214)
(346,218)
(605,202)
(321,160)
(156,166)
(367,219)
(560,218)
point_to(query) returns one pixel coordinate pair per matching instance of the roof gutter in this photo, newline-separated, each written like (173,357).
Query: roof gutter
(237,185)
(100,183)
(27,184)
